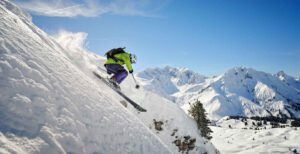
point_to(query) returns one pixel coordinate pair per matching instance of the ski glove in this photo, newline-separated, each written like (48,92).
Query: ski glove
(131,71)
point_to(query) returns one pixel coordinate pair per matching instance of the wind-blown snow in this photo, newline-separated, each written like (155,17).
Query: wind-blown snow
(50,102)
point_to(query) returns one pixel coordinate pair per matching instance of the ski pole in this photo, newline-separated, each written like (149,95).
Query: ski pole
(136,85)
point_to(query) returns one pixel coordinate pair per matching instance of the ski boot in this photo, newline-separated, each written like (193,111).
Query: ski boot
(113,82)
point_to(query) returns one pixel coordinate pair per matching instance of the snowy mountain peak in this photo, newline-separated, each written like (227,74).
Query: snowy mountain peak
(282,75)
(242,91)
(237,69)
(250,93)
(289,80)
(240,71)
(180,76)
(168,81)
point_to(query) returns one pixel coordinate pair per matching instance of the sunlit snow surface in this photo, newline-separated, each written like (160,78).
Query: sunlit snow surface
(50,101)
(269,141)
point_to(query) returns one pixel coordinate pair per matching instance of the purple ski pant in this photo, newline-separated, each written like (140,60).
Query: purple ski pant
(119,71)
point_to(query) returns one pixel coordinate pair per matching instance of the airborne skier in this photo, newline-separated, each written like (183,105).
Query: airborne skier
(116,58)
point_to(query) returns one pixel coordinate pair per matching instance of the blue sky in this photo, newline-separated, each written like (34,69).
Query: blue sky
(207,36)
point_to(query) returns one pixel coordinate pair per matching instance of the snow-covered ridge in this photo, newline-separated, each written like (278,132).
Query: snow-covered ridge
(291,81)
(168,81)
(50,102)
(245,92)
(180,76)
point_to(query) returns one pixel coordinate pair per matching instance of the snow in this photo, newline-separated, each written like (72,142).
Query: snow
(169,81)
(50,102)
(256,93)
(245,92)
(246,141)
(291,81)
(243,135)
(173,118)
(43,95)
(239,91)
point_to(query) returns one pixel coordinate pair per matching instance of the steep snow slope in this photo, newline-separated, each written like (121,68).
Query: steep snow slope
(47,105)
(173,118)
(50,102)
(168,81)
(158,108)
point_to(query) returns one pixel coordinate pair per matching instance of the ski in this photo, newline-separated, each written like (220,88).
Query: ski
(135,105)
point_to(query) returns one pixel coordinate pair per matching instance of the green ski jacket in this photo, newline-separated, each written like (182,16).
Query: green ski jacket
(123,58)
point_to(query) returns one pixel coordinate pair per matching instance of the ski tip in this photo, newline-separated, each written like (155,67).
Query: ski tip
(142,110)
(95,73)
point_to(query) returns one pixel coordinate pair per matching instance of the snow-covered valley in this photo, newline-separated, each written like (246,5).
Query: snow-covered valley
(241,141)
(252,136)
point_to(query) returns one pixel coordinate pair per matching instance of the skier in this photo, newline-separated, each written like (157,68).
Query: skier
(116,58)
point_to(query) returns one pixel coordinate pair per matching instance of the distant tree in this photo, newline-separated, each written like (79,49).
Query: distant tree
(265,122)
(296,123)
(198,113)
(275,125)
(259,124)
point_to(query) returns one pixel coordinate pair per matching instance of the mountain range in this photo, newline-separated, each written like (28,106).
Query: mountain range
(239,91)
(50,101)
